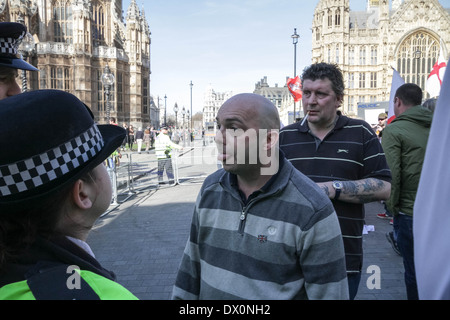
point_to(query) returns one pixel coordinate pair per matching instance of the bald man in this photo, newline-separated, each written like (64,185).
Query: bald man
(260,229)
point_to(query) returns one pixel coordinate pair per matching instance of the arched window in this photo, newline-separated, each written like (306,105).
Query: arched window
(62,21)
(373,56)
(59,79)
(337,17)
(416,57)
(98,24)
(351,56)
(362,55)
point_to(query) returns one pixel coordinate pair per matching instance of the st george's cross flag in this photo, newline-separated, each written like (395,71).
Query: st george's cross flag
(295,87)
(434,81)
(431,218)
(397,82)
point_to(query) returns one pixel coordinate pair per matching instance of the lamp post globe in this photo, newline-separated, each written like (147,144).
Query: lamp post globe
(295,38)
(108,81)
(175,109)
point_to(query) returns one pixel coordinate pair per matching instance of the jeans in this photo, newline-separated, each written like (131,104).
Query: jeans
(405,242)
(353,283)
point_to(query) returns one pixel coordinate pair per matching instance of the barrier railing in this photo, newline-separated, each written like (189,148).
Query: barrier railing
(195,164)
(138,172)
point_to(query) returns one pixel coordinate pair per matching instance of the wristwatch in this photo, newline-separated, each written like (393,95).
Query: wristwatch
(337,185)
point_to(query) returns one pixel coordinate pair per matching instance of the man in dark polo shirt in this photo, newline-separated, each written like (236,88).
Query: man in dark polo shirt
(342,155)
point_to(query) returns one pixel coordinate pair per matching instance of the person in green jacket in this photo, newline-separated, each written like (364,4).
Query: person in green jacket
(53,187)
(404,142)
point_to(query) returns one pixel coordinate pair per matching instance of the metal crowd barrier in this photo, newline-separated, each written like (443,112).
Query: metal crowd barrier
(120,177)
(144,173)
(138,172)
(195,164)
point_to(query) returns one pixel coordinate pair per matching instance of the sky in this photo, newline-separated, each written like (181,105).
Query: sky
(229,45)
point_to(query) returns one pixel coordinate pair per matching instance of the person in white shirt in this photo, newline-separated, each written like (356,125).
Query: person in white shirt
(163,151)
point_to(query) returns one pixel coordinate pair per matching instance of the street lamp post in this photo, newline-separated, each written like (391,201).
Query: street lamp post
(108,81)
(417,56)
(165,110)
(183,113)
(295,37)
(26,47)
(191,85)
(188,136)
(175,109)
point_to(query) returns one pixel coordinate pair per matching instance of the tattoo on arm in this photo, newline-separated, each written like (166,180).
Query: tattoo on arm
(325,189)
(363,191)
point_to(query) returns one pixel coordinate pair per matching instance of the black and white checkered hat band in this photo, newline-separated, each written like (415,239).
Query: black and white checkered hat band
(10,45)
(31,173)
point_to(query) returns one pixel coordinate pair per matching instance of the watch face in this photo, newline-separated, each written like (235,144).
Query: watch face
(337,185)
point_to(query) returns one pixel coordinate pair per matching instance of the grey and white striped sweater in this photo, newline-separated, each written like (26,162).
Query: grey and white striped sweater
(285,243)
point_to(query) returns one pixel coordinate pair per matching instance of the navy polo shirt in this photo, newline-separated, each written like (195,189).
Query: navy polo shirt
(351,151)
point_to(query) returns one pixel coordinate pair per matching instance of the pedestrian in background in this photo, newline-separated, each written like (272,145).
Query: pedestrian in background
(125,141)
(260,229)
(130,137)
(153,134)
(53,188)
(147,139)
(404,142)
(391,236)
(11,35)
(139,138)
(342,155)
(164,151)
(430,104)
(382,119)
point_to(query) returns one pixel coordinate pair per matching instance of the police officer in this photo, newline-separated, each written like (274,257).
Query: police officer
(53,187)
(11,35)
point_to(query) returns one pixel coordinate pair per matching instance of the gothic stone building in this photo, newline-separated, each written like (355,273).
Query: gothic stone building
(281,97)
(76,39)
(211,104)
(367,45)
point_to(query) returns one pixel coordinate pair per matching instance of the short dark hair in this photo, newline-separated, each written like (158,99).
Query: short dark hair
(410,93)
(324,70)
(430,104)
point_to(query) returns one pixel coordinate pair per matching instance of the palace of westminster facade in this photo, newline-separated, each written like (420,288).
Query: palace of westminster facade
(405,34)
(77,39)
(367,45)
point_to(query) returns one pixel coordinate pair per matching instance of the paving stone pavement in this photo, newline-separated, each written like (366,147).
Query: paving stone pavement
(142,241)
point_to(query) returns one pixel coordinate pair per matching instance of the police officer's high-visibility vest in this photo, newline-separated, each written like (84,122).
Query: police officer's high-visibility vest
(54,283)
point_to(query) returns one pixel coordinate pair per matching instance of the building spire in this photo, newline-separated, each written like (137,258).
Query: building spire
(133,12)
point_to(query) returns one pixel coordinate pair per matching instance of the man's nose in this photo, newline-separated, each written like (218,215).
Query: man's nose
(312,99)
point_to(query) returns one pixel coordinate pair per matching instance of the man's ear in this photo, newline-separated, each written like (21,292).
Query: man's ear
(80,195)
(340,100)
(272,139)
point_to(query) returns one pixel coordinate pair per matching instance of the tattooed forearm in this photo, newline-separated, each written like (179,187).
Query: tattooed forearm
(366,190)
(325,189)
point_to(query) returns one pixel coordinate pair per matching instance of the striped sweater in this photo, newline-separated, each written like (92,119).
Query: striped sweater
(283,243)
(351,151)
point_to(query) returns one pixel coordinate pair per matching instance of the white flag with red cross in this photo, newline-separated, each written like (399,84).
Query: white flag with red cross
(434,81)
